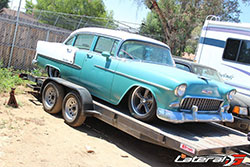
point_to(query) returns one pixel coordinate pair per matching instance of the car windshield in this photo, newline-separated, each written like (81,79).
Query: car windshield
(144,51)
(207,72)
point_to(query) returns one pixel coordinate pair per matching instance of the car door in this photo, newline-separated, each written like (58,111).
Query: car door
(98,70)
(79,46)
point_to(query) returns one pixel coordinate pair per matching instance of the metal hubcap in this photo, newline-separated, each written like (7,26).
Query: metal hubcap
(50,97)
(71,109)
(142,101)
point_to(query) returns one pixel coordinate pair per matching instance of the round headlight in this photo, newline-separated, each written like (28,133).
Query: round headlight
(230,95)
(180,90)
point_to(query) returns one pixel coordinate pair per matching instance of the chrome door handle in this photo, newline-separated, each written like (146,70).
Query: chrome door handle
(89,56)
(69,50)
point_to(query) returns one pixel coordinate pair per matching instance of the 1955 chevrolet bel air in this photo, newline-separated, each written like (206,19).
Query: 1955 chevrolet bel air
(114,64)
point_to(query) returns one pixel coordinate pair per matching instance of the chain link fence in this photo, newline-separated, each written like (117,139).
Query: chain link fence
(49,26)
(27,35)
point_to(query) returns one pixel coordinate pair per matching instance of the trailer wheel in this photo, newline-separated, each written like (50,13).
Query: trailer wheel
(52,97)
(72,109)
(142,104)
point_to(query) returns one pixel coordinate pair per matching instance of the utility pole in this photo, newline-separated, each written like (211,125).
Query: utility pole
(14,38)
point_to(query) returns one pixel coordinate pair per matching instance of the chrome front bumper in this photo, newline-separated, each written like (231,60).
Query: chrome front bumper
(194,116)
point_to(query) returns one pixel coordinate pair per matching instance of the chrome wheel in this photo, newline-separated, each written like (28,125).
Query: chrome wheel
(142,102)
(50,97)
(71,109)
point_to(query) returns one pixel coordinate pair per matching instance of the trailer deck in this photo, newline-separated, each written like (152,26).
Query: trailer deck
(189,138)
(193,139)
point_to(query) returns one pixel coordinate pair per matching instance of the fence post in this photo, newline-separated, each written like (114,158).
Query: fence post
(56,20)
(47,36)
(14,38)
(79,23)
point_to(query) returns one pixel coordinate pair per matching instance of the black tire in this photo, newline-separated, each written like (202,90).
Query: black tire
(142,98)
(72,110)
(52,97)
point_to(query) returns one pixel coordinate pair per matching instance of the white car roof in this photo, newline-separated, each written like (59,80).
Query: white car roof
(117,34)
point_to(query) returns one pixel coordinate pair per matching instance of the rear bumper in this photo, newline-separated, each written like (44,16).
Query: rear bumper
(34,61)
(193,116)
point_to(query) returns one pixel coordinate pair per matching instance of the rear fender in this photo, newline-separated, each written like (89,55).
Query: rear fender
(49,65)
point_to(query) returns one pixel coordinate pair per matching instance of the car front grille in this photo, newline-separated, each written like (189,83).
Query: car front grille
(201,103)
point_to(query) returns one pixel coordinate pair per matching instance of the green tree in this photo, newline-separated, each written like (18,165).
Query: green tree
(4,4)
(93,11)
(175,20)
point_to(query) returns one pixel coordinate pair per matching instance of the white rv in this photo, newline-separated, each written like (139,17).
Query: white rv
(225,46)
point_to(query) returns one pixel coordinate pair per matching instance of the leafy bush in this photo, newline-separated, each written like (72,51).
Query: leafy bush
(9,78)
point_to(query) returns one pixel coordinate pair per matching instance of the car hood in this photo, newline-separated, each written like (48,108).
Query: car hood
(171,77)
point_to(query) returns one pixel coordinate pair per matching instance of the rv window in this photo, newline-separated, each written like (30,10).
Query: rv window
(244,56)
(231,50)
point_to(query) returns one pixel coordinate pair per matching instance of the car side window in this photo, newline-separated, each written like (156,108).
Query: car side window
(70,41)
(106,44)
(182,67)
(84,41)
(114,47)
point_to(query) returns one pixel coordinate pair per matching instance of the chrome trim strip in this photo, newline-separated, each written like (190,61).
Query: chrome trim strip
(60,61)
(202,97)
(131,77)
(210,112)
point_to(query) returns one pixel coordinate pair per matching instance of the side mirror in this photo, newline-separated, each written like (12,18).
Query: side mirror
(106,54)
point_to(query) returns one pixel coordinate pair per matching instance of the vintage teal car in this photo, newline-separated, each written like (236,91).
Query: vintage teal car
(114,64)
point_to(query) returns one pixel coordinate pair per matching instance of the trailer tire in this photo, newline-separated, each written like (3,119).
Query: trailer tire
(142,104)
(72,109)
(52,97)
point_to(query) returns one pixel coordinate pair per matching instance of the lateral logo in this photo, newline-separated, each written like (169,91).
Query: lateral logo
(228,160)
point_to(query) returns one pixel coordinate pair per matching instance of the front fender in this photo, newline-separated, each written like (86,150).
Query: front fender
(162,97)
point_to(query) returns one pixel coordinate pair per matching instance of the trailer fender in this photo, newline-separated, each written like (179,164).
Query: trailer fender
(86,97)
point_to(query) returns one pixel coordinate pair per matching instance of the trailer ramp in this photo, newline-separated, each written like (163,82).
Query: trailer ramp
(193,139)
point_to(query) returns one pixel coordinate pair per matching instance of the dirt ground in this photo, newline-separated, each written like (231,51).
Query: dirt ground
(31,137)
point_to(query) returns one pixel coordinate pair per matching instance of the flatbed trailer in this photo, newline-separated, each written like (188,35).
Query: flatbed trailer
(193,139)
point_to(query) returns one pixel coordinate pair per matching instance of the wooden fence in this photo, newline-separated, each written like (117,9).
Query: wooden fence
(27,35)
